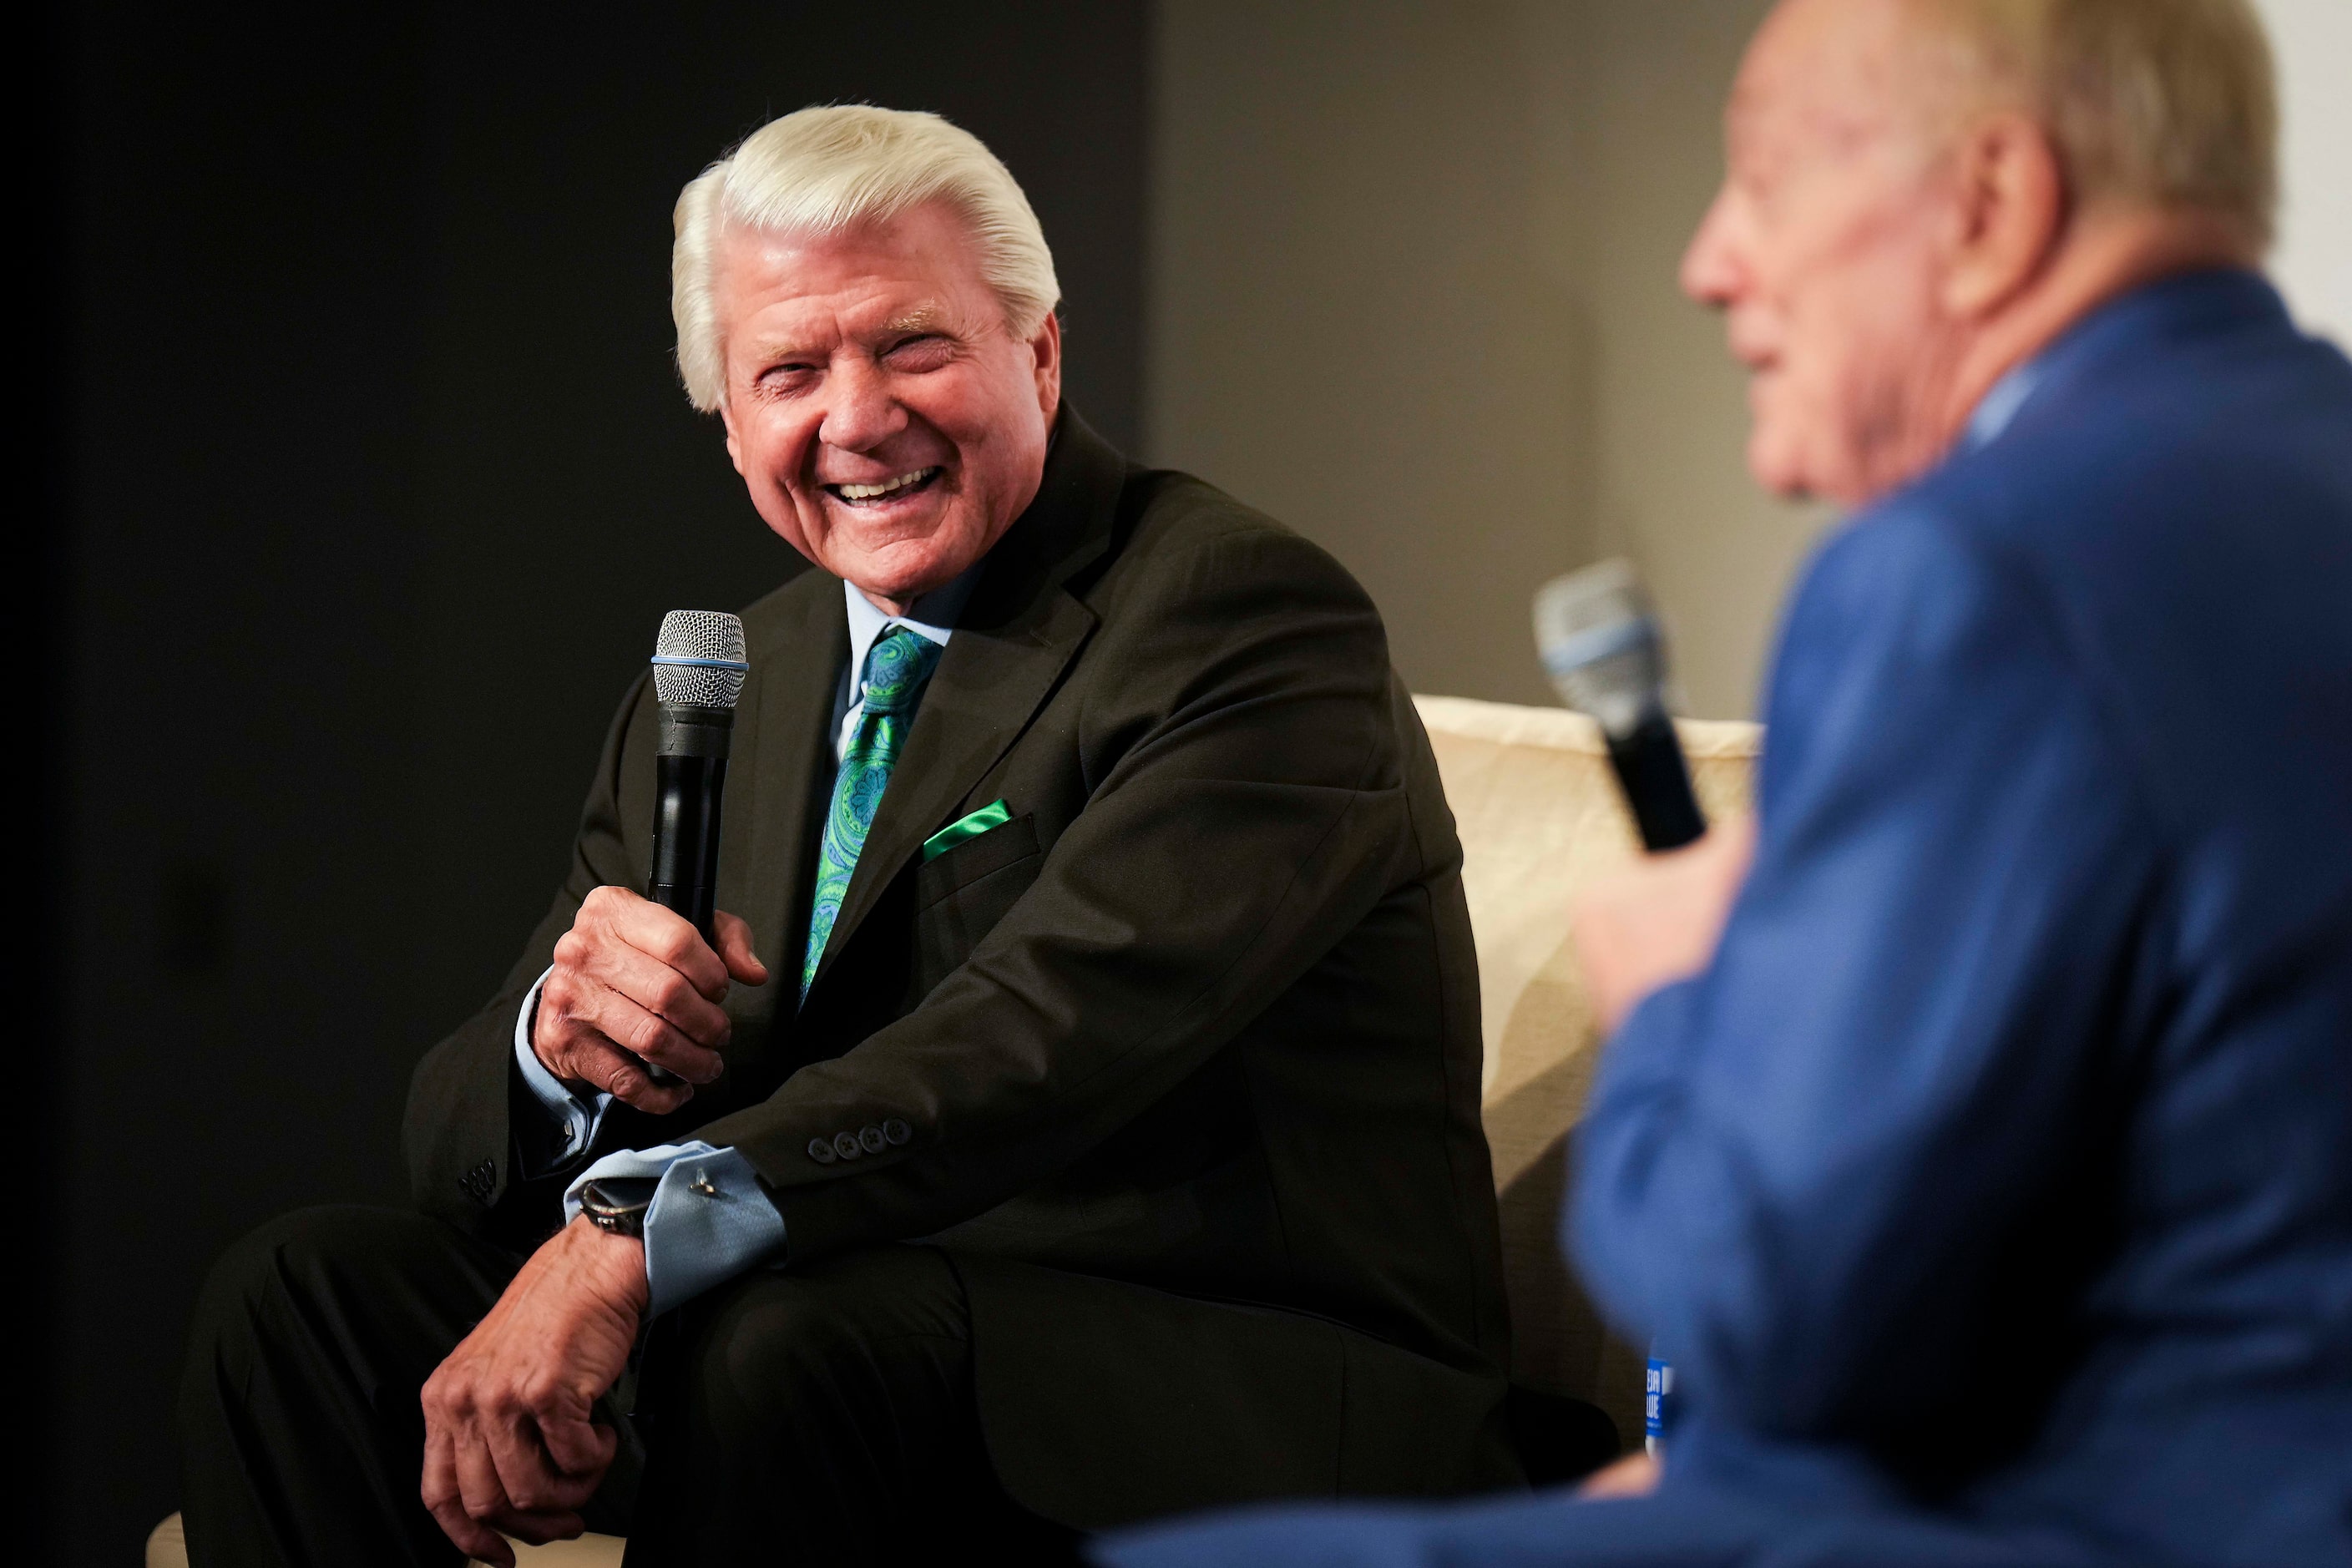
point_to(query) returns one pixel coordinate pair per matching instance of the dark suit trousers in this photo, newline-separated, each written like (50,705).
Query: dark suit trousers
(823,1416)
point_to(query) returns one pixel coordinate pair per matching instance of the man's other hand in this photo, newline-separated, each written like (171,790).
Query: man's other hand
(1658,921)
(1635,1475)
(634,983)
(508,1444)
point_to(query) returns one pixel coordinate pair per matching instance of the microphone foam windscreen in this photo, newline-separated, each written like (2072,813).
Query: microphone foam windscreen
(1600,641)
(698,659)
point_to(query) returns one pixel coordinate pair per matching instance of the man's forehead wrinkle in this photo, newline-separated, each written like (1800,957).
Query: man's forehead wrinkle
(828,326)
(1775,132)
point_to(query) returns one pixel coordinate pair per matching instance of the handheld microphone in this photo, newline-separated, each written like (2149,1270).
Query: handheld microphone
(1601,644)
(699,669)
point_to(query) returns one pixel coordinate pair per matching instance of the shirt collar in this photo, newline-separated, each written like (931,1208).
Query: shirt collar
(2185,303)
(2000,406)
(933,616)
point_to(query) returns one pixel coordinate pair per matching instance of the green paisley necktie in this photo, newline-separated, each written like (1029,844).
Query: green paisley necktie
(897,667)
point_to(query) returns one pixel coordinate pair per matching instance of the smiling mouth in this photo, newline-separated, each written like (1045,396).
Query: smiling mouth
(897,487)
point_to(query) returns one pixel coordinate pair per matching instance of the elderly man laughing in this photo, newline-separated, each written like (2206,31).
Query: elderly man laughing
(1981,1156)
(1076,1118)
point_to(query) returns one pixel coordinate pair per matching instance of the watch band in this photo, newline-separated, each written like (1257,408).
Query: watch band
(622,1213)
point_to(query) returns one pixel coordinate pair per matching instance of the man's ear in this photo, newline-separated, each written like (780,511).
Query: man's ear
(1045,348)
(2012,209)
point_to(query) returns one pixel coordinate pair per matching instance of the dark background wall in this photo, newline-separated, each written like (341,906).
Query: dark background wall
(372,480)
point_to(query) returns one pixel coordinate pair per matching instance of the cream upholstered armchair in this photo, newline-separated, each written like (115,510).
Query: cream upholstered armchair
(1539,815)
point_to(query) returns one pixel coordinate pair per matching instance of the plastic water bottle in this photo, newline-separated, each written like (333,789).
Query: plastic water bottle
(1658,1388)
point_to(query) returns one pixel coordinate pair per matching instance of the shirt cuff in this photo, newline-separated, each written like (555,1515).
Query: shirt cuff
(576,1117)
(710,1219)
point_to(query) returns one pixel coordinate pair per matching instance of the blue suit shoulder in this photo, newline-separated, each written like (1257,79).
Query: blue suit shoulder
(2176,509)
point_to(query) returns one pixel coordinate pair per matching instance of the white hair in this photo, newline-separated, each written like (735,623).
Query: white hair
(825,168)
(2165,103)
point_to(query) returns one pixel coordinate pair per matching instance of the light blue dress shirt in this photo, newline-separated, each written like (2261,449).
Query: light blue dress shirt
(710,1220)
(2000,406)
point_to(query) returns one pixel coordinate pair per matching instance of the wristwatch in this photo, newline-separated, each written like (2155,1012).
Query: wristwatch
(618,1203)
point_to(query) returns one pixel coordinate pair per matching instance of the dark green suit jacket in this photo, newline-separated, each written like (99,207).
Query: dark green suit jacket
(1189,1047)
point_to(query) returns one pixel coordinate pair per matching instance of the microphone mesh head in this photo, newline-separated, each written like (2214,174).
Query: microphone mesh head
(698,659)
(1601,644)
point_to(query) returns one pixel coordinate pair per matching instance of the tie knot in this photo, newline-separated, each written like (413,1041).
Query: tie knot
(896,667)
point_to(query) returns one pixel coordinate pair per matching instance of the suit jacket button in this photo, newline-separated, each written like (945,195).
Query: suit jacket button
(870,1139)
(821,1151)
(480,1183)
(846,1144)
(897,1133)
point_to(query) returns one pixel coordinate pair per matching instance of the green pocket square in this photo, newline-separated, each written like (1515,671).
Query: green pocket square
(972,826)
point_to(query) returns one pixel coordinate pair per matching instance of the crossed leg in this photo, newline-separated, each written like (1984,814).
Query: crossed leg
(821,1416)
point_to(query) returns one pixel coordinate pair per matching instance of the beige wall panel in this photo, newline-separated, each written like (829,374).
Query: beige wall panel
(1411,292)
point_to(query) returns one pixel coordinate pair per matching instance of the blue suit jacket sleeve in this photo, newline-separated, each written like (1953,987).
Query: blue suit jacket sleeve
(1793,1167)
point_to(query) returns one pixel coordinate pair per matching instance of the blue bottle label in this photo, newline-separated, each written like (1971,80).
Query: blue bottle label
(1656,1404)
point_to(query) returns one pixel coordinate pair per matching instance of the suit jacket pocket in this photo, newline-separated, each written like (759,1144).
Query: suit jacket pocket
(960,896)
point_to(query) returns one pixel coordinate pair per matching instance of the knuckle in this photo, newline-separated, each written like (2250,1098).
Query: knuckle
(604,911)
(673,995)
(674,942)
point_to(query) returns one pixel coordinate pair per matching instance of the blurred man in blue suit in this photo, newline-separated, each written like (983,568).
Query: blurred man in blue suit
(1981,1153)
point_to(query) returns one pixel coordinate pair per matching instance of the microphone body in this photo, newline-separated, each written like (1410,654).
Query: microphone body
(1656,778)
(1606,656)
(699,669)
(691,781)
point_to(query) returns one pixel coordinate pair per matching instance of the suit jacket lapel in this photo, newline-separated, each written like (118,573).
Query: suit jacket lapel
(791,759)
(1020,632)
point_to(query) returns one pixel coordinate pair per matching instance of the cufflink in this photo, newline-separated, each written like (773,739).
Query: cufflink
(703,1185)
